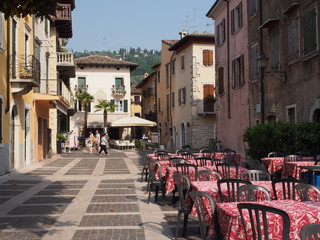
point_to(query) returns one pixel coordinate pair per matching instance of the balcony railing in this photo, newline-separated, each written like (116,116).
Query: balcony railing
(118,90)
(64,13)
(25,69)
(149,92)
(65,59)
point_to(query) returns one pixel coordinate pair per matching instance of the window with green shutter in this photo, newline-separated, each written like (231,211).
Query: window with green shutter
(275,49)
(125,105)
(309,25)
(1,32)
(82,83)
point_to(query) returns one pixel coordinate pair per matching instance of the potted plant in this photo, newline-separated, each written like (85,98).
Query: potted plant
(60,139)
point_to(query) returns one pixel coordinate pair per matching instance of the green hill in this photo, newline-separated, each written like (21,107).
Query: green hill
(145,59)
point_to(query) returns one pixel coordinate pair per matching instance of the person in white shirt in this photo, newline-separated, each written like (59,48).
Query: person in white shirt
(97,144)
(103,144)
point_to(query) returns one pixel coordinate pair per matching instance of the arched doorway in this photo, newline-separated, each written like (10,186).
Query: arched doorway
(183,135)
(316,115)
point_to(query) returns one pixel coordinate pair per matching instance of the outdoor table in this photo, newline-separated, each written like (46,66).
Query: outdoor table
(292,169)
(218,155)
(300,214)
(274,164)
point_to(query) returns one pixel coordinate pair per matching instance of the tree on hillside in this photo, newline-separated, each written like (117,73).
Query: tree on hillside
(106,107)
(22,8)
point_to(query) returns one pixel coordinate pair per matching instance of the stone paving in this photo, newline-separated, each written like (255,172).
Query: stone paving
(78,196)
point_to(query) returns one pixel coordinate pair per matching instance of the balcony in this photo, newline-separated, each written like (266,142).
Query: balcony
(149,92)
(118,91)
(63,20)
(24,73)
(65,65)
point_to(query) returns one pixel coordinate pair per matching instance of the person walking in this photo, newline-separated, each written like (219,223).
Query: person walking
(103,144)
(98,139)
(90,142)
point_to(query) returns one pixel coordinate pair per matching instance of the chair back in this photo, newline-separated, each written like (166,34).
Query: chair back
(232,186)
(176,160)
(292,158)
(186,169)
(159,151)
(288,187)
(253,193)
(202,202)
(203,161)
(224,169)
(188,155)
(310,231)
(307,192)
(229,151)
(206,153)
(154,167)
(302,154)
(256,215)
(183,185)
(163,156)
(207,175)
(275,154)
(180,151)
(229,158)
(255,175)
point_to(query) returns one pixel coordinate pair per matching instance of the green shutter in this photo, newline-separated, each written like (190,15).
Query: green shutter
(125,105)
(112,102)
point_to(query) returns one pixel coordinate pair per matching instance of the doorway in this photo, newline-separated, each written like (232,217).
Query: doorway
(14,136)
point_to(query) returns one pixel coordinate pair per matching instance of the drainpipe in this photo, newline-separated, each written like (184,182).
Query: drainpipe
(228,61)
(261,69)
(8,66)
(170,101)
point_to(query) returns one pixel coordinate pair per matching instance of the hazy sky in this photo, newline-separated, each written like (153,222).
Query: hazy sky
(110,25)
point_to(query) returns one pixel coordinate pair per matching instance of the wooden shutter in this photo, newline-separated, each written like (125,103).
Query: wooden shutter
(179,96)
(242,81)
(125,105)
(210,57)
(207,90)
(184,95)
(275,49)
(233,81)
(205,56)
(223,31)
(173,99)
(232,21)
(240,15)
(220,80)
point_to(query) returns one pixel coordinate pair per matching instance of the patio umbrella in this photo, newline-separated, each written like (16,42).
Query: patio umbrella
(133,122)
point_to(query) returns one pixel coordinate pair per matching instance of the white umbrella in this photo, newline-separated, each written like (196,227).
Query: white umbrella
(133,122)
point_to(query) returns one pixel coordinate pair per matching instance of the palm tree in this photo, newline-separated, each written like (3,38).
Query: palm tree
(105,106)
(85,99)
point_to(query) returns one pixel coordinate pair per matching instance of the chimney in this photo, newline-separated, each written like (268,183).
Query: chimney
(183,33)
(145,75)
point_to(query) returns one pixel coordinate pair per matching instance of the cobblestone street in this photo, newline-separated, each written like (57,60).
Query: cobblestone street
(77,196)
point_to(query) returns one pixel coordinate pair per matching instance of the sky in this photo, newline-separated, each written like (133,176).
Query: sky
(111,25)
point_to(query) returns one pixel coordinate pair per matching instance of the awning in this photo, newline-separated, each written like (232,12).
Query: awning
(269,22)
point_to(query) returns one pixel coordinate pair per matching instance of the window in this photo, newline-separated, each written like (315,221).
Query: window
(208,96)
(167,74)
(182,96)
(236,18)
(168,105)
(238,72)
(1,119)
(173,67)
(291,113)
(254,72)
(1,32)
(136,99)
(275,49)
(82,85)
(221,33)
(293,39)
(173,99)
(220,80)
(119,83)
(137,114)
(122,105)
(182,63)
(252,7)
(207,57)
(309,26)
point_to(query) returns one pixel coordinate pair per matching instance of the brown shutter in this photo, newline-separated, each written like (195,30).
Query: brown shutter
(232,21)
(205,56)
(179,96)
(233,73)
(207,90)
(184,95)
(242,70)
(240,15)
(210,57)
(223,30)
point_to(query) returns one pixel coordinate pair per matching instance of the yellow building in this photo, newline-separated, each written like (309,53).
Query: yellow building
(135,102)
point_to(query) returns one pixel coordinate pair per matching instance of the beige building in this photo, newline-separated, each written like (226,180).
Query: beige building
(191,84)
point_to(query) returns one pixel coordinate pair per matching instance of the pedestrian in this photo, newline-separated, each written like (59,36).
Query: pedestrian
(103,144)
(90,142)
(98,139)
